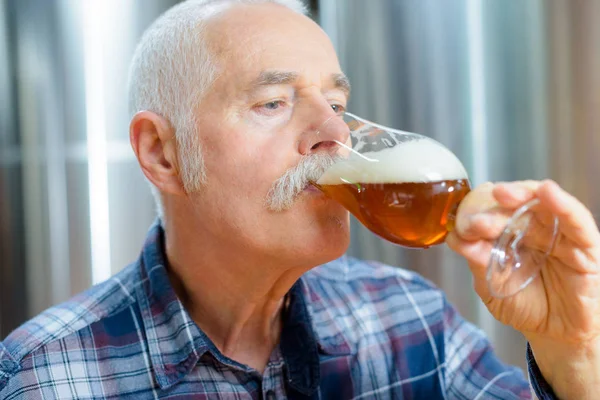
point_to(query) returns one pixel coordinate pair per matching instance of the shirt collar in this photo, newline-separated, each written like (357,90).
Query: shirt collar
(332,315)
(176,343)
(302,340)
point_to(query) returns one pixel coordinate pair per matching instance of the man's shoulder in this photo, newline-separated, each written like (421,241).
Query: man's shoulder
(354,302)
(373,290)
(66,320)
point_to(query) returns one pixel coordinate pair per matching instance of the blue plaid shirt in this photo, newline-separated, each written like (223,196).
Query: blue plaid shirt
(351,330)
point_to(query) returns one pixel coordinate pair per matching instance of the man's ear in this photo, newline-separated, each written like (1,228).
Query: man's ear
(153,140)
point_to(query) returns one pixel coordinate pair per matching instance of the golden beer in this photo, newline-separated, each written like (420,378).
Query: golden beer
(411,214)
(403,187)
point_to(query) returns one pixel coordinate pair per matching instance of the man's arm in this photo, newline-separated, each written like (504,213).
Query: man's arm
(559,311)
(571,370)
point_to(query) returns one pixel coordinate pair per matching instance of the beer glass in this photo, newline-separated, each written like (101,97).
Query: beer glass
(406,188)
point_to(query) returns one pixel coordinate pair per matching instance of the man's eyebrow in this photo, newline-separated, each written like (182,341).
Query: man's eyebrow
(341,82)
(267,78)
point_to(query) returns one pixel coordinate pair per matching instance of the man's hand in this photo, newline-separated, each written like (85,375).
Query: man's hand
(559,312)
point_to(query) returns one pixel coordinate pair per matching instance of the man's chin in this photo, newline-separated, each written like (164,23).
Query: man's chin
(330,254)
(337,222)
(334,240)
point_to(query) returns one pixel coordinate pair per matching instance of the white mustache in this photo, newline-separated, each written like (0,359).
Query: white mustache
(284,191)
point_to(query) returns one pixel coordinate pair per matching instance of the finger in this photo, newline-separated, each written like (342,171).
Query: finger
(504,281)
(486,225)
(512,195)
(536,235)
(490,224)
(574,257)
(479,200)
(484,213)
(575,220)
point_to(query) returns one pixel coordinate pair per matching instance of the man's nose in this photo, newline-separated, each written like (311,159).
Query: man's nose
(325,134)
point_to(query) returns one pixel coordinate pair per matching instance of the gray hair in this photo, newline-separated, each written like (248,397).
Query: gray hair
(172,69)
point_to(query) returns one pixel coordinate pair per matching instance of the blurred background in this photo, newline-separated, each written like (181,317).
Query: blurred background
(512,87)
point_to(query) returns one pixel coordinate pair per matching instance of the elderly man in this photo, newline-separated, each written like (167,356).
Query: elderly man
(240,291)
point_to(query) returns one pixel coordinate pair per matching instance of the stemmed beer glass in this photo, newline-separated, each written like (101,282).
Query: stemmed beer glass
(406,188)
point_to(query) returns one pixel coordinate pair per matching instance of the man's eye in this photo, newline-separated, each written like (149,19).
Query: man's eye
(271,108)
(273,105)
(339,109)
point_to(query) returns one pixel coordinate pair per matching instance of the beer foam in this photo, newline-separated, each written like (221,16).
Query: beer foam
(419,161)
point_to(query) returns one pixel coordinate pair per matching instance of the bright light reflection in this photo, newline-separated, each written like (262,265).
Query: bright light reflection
(93,21)
(479,131)
(479,173)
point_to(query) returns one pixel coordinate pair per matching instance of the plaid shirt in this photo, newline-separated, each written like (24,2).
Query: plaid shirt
(351,330)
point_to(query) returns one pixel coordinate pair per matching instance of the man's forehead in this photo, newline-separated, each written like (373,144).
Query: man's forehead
(338,80)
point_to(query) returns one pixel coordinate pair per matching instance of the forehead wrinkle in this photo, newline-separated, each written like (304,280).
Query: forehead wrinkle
(274,77)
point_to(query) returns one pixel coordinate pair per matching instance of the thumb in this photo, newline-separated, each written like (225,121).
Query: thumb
(470,217)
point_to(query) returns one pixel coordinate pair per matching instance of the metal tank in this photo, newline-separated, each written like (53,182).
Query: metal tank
(74,207)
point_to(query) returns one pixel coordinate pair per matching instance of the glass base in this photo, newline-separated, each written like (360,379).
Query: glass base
(521,250)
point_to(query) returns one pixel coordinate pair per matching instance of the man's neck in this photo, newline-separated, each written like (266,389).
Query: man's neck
(237,308)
